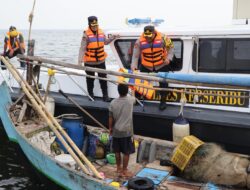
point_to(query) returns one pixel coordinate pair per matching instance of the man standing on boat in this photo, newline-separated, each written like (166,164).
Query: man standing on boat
(13,44)
(156,51)
(121,128)
(93,55)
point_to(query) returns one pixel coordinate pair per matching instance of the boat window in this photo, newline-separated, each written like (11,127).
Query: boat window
(176,63)
(238,55)
(125,52)
(212,55)
(223,55)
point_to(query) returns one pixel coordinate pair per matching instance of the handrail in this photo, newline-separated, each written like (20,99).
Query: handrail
(149,77)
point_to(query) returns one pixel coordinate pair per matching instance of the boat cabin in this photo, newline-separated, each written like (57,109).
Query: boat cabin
(221,51)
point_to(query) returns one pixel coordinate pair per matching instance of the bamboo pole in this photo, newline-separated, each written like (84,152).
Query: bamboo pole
(144,76)
(68,65)
(31,18)
(141,85)
(51,120)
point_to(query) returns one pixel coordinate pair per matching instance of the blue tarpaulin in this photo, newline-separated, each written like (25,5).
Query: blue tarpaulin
(155,175)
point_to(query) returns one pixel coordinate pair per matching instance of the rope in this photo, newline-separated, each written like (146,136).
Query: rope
(183,101)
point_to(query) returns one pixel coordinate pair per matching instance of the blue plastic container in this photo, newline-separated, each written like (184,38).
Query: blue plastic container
(75,129)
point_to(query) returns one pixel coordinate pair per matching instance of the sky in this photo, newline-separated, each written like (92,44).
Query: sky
(72,14)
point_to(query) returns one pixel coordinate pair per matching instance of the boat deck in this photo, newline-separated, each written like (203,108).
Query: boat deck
(31,128)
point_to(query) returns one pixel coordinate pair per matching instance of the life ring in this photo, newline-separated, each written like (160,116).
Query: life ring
(140,183)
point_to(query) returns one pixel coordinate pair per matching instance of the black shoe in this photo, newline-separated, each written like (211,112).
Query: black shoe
(162,106)
(92,96)
(106,99)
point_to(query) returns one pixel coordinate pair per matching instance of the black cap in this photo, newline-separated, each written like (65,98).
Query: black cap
(12,28)
(93,21)
(149,30)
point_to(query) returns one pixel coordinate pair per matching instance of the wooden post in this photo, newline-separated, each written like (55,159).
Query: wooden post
(29,73)
(31,45)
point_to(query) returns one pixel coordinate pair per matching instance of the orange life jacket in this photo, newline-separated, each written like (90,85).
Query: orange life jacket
(152,54)
(146,92)
(95,48)
(15,45)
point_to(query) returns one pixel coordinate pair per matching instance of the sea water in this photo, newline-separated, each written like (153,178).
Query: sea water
(15,170)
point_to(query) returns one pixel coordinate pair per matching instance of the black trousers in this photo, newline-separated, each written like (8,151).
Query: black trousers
(162,84)
(18,51)
(90,81)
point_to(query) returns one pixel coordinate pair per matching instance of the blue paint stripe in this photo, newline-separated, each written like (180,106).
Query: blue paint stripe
(210,79)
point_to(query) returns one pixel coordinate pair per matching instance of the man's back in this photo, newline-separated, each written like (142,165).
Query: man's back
(121,109)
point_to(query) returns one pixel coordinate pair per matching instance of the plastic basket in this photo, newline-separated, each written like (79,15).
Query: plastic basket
(185,151)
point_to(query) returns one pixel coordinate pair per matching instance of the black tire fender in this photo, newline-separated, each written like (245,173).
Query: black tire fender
(140,183)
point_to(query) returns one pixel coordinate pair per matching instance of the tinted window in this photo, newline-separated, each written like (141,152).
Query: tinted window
(212,55)
(125,51)
(223,56)
(239,55)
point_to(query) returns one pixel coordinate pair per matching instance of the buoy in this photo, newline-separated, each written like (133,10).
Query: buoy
(115,184)
(181,128)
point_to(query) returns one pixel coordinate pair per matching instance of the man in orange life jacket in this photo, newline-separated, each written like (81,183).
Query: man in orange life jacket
(13,44)
(93,55)
(156,51)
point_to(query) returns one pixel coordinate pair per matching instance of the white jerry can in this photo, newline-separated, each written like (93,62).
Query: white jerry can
(180,128)
(50,105)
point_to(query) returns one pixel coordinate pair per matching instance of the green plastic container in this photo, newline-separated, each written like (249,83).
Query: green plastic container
(111,158)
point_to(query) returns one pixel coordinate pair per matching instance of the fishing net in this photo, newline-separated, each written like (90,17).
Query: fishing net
(210,163)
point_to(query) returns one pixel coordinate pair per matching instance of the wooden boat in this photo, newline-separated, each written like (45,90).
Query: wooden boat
(70,176)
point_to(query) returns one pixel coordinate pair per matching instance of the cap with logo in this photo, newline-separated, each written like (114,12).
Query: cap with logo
(148,31)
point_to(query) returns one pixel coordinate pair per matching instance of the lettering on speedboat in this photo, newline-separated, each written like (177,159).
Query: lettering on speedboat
(209,97)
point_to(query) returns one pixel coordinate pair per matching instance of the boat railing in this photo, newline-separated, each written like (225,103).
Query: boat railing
(63,67)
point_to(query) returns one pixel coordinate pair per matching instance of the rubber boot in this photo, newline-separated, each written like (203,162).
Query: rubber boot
(104,88)
(92,96)
(106,98)
(90,87)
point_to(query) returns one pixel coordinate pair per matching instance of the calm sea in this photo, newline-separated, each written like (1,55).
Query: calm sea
(15,171)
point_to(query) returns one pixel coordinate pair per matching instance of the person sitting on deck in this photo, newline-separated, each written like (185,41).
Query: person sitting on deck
(121,128)
(93,55)
(156,52)
(13,44)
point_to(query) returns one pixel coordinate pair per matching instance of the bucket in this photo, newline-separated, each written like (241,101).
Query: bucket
(180,129)
(75,129)
(50,105)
